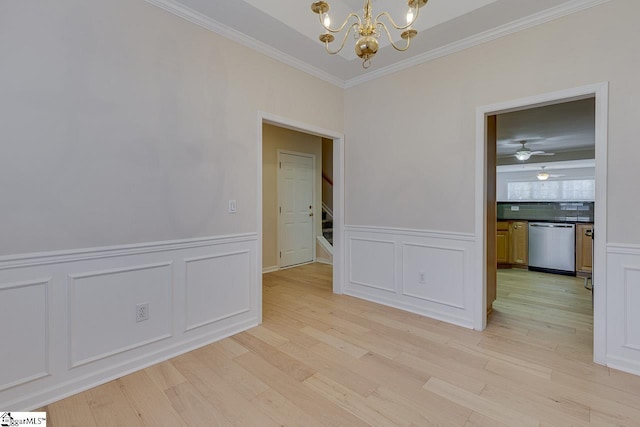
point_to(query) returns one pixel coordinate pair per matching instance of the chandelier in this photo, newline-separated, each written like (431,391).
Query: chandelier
(367,30)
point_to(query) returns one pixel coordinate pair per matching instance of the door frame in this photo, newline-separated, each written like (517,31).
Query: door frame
(600,91)
(313,198)
(338,196)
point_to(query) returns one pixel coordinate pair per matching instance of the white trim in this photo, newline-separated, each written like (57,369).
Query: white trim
(623,364)
(271,269)
(324,243)
(46,282)
(449,235)
(600,91)
(395,264)
(503,30)
(61,266)
(338,194)
(324,261)
(406,306)
(73,255)
(327,209)
(217,27)
(568,8)
(72,322)
(623,249)
(315,212)
(95,378)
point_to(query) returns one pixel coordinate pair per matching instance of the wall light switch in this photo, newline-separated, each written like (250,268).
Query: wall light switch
(232,206)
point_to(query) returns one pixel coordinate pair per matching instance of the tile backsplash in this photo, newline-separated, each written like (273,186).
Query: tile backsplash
(547,211)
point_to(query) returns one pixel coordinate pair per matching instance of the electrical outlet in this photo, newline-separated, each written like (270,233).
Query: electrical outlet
(421,277)
(142,312)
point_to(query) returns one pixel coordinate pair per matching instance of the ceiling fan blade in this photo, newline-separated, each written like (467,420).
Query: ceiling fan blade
(542,153)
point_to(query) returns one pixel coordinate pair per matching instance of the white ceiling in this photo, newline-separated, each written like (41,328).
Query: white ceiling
(289,30)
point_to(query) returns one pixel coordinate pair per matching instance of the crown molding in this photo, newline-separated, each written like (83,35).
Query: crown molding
(480,38)
(178,9)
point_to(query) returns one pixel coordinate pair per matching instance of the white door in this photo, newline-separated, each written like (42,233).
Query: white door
(295,191)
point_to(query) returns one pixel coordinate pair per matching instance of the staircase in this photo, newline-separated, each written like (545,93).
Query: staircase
(327,226)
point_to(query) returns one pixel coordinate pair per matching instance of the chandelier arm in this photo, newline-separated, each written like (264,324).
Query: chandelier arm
(344,40)
(346,21)
(396,26)
(395,46)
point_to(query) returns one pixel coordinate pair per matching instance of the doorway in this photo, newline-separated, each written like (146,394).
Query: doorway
(486,265)
(338,195)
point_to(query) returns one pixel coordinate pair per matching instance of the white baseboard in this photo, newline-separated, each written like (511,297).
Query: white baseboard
(66,291)
(412,308)
(324,261)
(271,269)
(624,365)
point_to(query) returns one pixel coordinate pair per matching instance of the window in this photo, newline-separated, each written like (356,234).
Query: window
(557,190)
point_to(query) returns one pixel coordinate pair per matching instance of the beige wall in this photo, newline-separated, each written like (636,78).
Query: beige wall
(411,159)
(273,139)
(122,123)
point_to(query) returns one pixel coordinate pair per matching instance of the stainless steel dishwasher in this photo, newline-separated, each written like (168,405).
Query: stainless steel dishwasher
(552,247)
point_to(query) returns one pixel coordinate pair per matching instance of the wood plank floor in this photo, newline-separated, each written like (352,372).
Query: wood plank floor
(326,360)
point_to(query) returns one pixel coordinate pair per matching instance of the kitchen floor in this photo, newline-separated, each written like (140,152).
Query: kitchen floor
(550,307)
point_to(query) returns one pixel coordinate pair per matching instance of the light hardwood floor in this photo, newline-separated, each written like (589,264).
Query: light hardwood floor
(326,360)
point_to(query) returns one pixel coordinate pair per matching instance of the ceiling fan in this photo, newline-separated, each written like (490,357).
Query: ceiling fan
(543,175)
(525,153)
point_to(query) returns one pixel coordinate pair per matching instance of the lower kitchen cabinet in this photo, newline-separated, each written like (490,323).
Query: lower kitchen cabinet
(519,239)
(512,243)
(584,249)
(502,243)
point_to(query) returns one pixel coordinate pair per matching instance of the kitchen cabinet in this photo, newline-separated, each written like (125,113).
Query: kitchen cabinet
(502,243)
(584,249)
(519,242)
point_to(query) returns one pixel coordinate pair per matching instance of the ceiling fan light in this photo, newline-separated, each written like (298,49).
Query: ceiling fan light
(543,176)
(523,155)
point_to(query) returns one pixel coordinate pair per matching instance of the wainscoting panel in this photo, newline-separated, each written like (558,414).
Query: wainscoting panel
(415,270)
(372,263)
(623,302)
(424,278)
(102,310)
(68,318)
(218,287)
(24,337)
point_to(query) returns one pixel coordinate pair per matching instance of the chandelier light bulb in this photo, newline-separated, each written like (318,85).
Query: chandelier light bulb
(410,16)
(326,20)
